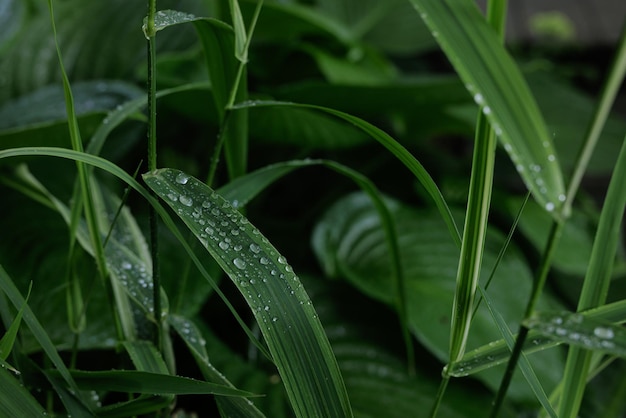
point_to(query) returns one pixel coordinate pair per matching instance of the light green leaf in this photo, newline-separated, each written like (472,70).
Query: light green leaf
(241,52)
(498,87)
(496,352)
(8,339)
(274,293)
(576,329)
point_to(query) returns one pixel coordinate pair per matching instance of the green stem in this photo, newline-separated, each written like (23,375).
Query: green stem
(152,165)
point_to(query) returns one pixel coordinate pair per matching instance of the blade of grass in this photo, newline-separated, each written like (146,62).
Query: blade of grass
(8,287)
(617,73)
(16,400)
(596,283)
(394,147)
(8,339)
(274,293)
(498,87)
(580,331)
(496,352)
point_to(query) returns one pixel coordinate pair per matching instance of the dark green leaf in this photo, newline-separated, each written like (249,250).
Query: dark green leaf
(274,293)
(15,400)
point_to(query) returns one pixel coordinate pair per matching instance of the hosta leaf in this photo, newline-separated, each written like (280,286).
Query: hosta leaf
(349,243)
(498,87)
(46,105)
(274,293)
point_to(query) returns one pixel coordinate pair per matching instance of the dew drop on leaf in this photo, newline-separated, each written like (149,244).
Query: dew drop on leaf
(185,200)
(606,333)
(182,178)
(239,263)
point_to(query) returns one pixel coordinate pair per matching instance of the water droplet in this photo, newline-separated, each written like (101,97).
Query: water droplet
(601,332)
(182,178)
(172,197)
(209,230)
(206,204)
(239,263)
(185,200)
(237,248)
(234,232)
(478,98)
(282,260)
(266,308)
(486,110)
(126,265)
(274,319)
(562,198)
(549,206)
(255,248)
(264,261)
(551,157)
(223,245)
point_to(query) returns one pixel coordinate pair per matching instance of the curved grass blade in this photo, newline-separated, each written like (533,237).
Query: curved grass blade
(281,306)
(241,190)
(14,295)
(15,399)
(497,352)
(394,147)
(133,381)
(498,87)
(577,330)
(8,339)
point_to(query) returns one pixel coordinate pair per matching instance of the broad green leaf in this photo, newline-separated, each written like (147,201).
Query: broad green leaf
(46,106)
(349,243)
(13,13)
(576,329)
(496,352)
(499,89)
(269,286)
(16,400)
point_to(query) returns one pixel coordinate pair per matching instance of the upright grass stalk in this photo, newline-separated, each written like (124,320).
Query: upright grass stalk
(608,93)
(475,228)
(152,165)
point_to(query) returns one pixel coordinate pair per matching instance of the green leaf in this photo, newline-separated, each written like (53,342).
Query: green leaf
(45,106)
(241,51)
(15,399)
(395,148)
(496,352)
(12,17)
(349,243)
(498,87)
(8,339)
(576,329)
(132,381)
(274,293)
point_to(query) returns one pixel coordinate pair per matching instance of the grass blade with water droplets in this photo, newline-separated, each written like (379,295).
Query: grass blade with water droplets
(274,293)
(578,330)
(498,87)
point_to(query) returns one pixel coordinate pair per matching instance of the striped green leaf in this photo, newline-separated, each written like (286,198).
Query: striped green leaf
(274,293)
(498,87)
(15,400)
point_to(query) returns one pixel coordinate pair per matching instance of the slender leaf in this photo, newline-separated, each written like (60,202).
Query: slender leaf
(497,352)
(8,339)
(274,293)
(16,400)
(494,80)
(395,148)
(576,329)
(132,381)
